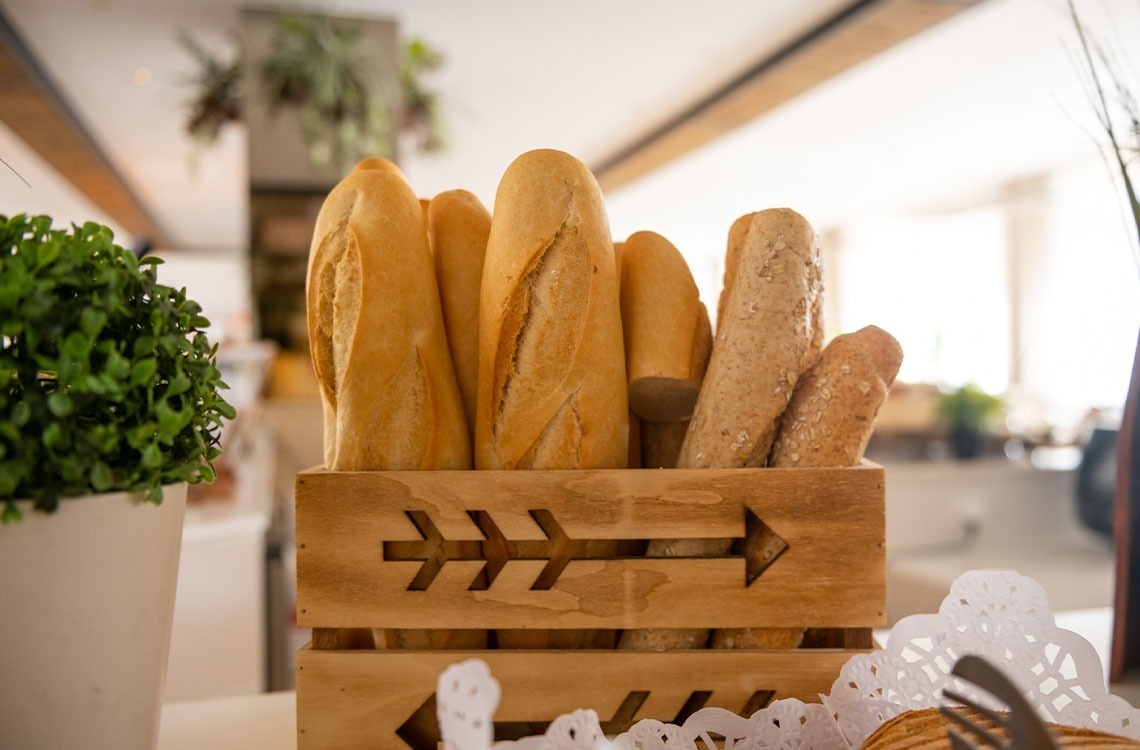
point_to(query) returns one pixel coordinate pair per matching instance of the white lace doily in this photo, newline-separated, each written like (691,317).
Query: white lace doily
(999,615)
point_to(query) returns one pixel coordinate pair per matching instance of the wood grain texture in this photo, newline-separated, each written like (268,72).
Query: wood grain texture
(361,699)
(33,107)
(831,576)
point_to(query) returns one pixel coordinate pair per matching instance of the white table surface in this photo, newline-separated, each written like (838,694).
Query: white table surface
(264,721)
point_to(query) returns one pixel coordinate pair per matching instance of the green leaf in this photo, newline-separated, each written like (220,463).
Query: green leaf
(178,385)
(55,438)
(102,478)
(152,456)
(143,371)
(92,321)
(21,413)
(117,366)
(60,404)
(10,514)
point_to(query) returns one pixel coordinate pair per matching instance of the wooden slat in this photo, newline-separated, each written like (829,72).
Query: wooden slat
(33,109)
(855,35)
(1125,657)
(361,699)
(832,574)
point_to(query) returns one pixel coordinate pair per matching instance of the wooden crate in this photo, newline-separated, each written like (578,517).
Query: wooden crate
(402,550)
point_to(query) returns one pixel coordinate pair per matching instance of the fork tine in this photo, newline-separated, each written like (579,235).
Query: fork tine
(1026,729)
(973,705)
(988,738)
(958,742)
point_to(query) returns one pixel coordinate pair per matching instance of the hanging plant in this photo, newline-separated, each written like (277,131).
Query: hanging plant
(315,67)
(216,100)
(420,116)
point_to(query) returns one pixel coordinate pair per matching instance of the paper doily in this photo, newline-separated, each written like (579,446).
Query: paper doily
(999,615)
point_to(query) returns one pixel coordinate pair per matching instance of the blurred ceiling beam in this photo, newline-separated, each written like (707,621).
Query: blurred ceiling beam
(32,107)
(857,33)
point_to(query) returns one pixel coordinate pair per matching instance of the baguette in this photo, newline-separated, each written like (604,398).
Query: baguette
(661,443)
(762,346)
(379,163)
(551,386)
(667,332)
(376,332)
(458,225)
(378,347)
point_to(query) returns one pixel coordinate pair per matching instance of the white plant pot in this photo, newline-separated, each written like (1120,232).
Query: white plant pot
(86,605)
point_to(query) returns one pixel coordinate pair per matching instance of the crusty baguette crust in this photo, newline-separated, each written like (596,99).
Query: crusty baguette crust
(376,331)
(667,333)
(378,163)
(552,386)
(831,415)
(661,443)
(458,226)
(762,345)
(926,729)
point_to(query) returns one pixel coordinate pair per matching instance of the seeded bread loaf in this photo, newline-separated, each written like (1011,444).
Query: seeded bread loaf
(831,415)
(737,232)
(762,345)
(828,423)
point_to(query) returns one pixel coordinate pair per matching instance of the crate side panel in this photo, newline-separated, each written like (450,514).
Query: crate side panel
(832,573)
(353,699)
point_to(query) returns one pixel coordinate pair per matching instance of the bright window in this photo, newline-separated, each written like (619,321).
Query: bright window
(940,285)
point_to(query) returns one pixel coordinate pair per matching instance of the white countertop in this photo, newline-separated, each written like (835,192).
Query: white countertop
(264,721)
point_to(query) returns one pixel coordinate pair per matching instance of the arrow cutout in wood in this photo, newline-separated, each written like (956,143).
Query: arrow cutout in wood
(760,547)
(421,730)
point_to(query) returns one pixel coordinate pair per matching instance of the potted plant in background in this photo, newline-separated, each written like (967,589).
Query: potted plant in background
(216,98)
(967,412)
(316,66)
(111,405)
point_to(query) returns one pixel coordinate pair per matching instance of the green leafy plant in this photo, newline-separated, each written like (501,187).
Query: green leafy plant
(421,116)
(968,407)
(110,383)
(216,98)
(315,66)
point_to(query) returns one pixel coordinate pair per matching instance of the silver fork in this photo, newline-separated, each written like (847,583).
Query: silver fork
(1024,728)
